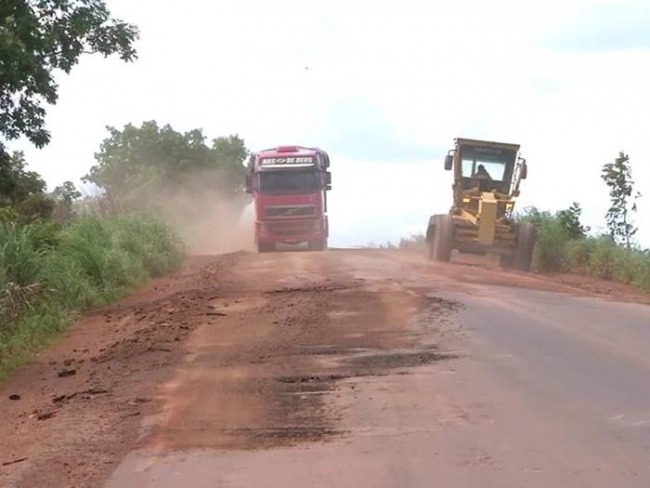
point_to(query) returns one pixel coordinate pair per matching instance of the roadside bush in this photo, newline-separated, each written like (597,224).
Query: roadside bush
(49,272)
(558,251)
(416,242)
(550,252)
(578,254)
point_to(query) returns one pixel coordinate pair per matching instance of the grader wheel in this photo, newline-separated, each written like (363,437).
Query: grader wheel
(522,256)
(442,241)
(525,246)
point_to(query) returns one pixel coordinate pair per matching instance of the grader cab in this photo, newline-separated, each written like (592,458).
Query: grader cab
(486,183)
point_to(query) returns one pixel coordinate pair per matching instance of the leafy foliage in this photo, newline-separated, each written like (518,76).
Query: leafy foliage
(39,37)
(65,196)
(23,196)
(22,192)
(618,177)
(143,168)
(16,183)
(569,220)
(552,234)
(48,271)
(559,249)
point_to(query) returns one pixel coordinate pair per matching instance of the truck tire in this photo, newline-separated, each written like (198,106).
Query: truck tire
(443,239)
(320,245)
(265,247)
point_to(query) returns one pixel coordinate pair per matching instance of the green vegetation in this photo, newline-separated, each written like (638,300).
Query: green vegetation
(53,263)
(560,250)
(415,242)
(618,178)
(59,254)
(23,196)
(565,246)
(39,38)
(48,272)
(152,168)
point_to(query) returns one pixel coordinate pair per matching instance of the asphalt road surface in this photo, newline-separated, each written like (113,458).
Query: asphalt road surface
(344,368)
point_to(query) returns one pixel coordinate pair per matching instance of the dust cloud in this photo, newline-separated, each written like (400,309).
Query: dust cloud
(208,215)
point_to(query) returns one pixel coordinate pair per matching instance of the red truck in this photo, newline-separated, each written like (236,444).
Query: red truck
(289,186)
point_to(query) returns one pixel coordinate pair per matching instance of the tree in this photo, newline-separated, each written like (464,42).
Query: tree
(40,37)
(618,177)
(22,192)
(533,215)
(65,195)
(66,192)
(145,168)
(570,221)
(16,183)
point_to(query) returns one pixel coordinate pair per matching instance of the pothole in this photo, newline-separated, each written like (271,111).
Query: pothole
(393,360)
(310,379)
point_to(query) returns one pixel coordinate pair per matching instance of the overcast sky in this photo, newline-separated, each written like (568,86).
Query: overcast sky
(384,90)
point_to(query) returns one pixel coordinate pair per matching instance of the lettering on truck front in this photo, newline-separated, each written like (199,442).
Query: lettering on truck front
(291,160)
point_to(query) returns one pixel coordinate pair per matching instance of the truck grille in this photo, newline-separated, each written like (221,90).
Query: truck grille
(289,229)
(290,211)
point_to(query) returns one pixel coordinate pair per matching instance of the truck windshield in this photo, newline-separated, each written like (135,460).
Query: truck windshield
(289,181)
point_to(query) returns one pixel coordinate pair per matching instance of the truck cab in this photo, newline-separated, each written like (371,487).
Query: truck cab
(289,185)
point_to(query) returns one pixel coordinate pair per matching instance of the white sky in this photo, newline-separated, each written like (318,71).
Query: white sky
(386,91)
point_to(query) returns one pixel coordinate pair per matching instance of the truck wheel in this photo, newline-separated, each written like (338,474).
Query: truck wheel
(526,237)
(265,246)
(443,239)
(317,245)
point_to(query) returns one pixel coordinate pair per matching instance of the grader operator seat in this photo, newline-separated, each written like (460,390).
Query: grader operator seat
(486,175)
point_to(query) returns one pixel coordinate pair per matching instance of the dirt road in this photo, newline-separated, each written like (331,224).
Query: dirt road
(343,368)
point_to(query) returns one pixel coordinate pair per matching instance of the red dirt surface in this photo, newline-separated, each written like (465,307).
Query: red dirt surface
(82,400)
(229,353)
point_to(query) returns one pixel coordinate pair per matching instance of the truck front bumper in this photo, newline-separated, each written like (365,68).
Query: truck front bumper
(291,231)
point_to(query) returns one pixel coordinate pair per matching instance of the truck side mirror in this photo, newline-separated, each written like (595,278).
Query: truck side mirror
(328,180)
(249,184)
(524,170)
(449,162)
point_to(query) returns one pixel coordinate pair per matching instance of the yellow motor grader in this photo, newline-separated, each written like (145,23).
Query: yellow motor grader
(486,184)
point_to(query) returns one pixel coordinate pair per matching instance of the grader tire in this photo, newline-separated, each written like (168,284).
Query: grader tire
(431,231)
(523,256)
(443,239)
(507,261)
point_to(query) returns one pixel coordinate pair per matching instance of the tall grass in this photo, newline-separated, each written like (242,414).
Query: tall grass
(47,273)
(557,251)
